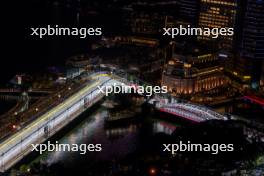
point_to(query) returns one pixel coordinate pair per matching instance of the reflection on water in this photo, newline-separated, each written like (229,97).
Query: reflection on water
(87,132)
(163,127)
(117,141)
(121,131)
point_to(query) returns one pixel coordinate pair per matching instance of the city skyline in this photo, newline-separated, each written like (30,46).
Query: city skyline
(63,60)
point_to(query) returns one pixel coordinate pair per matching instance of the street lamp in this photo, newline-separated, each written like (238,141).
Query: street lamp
(153,171)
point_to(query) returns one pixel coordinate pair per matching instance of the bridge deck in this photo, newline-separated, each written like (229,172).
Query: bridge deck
(19,143)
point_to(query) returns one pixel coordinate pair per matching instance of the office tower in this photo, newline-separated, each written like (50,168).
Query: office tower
(189,11)
(253,41)
(253,33)
(262,76)
(149,19)
(251,51)
(218,14)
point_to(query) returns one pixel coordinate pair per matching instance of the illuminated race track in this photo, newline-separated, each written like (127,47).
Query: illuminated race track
(14,148)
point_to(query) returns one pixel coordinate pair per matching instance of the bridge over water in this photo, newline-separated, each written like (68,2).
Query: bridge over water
(16,146)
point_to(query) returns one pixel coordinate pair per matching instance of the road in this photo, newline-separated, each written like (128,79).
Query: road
(18,145)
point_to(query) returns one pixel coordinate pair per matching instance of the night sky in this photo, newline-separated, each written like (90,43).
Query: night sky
(24,53)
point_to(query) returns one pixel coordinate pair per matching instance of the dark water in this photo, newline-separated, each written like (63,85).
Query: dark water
(117,141)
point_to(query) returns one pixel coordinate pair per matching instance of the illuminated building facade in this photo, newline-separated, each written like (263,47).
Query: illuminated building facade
(145,23)
(189,75)
(218,14)
(147,19)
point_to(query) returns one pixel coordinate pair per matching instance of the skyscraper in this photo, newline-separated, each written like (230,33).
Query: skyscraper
(218,14)
(253,33)
(252,43)
(189,11)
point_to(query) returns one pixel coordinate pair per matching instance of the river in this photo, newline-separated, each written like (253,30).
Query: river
(118,140)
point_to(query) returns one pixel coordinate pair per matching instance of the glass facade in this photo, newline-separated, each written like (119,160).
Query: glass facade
(218,14)
(252,44)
